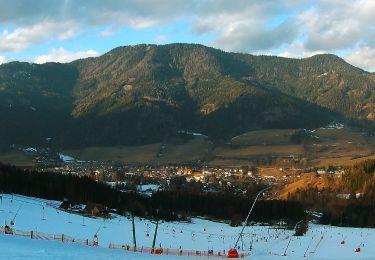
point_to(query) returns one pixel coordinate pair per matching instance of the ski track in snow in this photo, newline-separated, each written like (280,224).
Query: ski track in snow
(268,242)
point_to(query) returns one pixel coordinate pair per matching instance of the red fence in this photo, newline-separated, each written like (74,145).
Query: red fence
(45,236)
(147,250)
(175,252)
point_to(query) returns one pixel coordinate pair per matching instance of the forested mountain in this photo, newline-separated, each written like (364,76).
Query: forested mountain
(144,93)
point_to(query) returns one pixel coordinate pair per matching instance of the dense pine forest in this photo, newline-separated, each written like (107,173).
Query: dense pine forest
(172,204)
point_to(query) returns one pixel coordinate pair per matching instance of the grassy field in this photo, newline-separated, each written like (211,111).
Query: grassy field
(244,152)
(126,154)
(309,180)
(16,158)
(264,137)
(343,161)
(192,150)
(328,147)
(340,147)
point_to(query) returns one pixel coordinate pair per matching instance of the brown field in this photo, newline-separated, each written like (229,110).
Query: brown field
(195,149)
(283,150)
(303,182)
(331,147)
(126,154)
(16,158)
(340,147)
(343,161)
(227,162)
(264,137)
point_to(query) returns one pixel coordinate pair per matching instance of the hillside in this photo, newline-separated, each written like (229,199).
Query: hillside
(145,93)
(268,242)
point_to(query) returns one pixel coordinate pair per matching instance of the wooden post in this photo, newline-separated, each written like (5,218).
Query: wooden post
(290,239)
(43,218)
(155,234)
(134,238)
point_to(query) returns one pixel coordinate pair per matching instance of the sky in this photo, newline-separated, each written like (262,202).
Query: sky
(64,30)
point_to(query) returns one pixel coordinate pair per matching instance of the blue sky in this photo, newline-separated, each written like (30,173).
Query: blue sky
(64,30)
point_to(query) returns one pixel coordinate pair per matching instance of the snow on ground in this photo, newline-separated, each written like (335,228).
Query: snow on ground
(191,133)
(13,247)
(321,242)
(148,187)
(334,125)
(66,158)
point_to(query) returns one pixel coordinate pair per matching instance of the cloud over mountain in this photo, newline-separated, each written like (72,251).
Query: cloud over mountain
(296,27)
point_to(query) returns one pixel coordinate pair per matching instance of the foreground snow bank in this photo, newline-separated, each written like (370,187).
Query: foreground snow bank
(321,242)
(12,247)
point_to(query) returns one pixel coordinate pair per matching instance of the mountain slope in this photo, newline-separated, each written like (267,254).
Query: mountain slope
(145,93)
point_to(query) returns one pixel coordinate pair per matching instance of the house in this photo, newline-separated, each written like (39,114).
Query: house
(96,210)
(344,196)
(188,171)
(198,176)
(66,205)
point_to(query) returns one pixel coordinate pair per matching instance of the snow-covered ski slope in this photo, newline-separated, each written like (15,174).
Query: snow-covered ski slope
(321,242)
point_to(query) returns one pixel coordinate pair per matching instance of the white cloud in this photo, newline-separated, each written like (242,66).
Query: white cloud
(298,51)
(363,57)
(258,26)
(161,39)
(331,28)
(61,55)
(299,55)
(108,32)
(3,60)
(23,37)
(247,25)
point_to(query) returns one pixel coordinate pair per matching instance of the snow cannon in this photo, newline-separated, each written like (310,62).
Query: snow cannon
(232,253)
(8,230)
(158,251)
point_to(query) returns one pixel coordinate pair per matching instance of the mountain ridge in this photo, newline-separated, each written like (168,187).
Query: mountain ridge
(146,93)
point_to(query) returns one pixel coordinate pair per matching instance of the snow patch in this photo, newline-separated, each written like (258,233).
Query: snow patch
(66,158)
(323,74)
(30,150)
(191,133)
(334,125)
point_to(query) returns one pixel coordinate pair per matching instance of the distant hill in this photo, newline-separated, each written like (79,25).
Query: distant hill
(146,93)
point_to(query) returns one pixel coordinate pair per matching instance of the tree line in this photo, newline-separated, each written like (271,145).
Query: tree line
(169,204)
